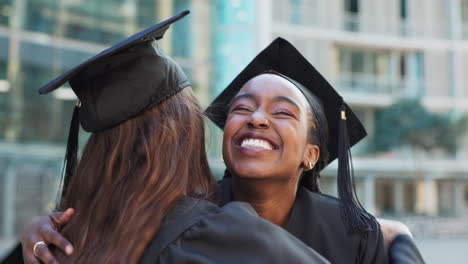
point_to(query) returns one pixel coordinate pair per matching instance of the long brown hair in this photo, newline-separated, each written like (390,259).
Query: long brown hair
(130,176)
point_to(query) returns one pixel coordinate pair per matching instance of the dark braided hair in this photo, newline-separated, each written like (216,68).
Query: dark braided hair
(318,135)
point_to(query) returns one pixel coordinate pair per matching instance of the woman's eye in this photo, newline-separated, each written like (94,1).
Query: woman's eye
(240,109)
(285,113)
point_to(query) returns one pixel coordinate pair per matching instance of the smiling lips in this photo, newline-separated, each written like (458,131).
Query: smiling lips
(256,143)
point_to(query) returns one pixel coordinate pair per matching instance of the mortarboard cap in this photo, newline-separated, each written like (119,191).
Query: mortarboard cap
(282,57)
(135,68)
(345,129)
(118,84)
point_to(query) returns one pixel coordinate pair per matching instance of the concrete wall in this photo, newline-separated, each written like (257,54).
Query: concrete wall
(435,69)
(464,74)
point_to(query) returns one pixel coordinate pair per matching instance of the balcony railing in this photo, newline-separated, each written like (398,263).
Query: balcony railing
(351,22)
(381,25)
(464,30)
(372,84)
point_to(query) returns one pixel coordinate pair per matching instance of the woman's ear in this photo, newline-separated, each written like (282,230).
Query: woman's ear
(311,156)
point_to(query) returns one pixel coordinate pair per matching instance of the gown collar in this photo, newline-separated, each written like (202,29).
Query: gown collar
(294,222)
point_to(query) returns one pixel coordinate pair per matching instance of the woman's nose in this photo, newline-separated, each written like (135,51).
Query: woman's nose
(258,120)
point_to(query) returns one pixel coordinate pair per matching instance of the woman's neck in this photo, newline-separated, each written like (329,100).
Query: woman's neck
(272,200)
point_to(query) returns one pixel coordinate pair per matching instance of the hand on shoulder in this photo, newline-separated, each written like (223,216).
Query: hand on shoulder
(392,228)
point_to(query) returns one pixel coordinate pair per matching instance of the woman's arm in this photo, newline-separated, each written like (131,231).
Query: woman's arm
(391,229)
(401,247)
(403,250)
(46,229)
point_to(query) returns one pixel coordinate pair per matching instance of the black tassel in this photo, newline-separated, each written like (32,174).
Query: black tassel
(71,159)
(355,217)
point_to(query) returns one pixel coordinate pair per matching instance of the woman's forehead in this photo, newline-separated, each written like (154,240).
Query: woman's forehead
(270,85)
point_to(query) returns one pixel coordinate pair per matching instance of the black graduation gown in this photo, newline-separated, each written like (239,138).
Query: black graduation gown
(403,250)
(197,231)
(14,257)
(315,219)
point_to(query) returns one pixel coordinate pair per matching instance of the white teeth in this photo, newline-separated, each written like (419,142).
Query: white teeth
(256,143)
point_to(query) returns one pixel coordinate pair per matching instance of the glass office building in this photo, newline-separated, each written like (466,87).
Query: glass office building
(40,39)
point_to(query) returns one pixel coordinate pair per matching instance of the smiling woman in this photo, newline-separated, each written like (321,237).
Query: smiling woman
(280,113)
(271,101)
(268,111)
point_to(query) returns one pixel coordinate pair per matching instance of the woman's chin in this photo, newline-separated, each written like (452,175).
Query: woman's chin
(254,174)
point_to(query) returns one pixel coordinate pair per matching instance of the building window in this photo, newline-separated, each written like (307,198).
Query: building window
(409,197)
(403,9)
(3,56)
(404,17)
(37,118)
(351,15)
(411,74)
(182,32)
(352,6)
(5,11)
(5,86)
(40,16)
(296,7)
(380,71)
(385,198)
(466,194)
(366,115)
(146,13)
(298,12)
(364,71)
(304,12)
(103,22)
(464,18)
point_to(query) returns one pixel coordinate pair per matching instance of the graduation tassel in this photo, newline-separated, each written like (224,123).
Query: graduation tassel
(355,217)
(71,159)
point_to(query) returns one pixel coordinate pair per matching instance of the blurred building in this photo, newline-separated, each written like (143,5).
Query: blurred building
(373,52)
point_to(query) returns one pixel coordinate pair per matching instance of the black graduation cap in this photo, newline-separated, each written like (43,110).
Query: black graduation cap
(345,129)
(119,83)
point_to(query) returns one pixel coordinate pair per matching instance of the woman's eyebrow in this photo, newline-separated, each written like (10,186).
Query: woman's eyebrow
(287,100)
(240,96)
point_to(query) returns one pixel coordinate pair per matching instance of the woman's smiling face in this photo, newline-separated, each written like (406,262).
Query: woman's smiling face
(266,131)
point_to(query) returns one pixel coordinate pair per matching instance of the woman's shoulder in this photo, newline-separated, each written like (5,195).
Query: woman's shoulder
(329,204)
(219,234)
(320,213)
(403,250)
(317,220)
(189,208)
(193,211)
(323,212)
